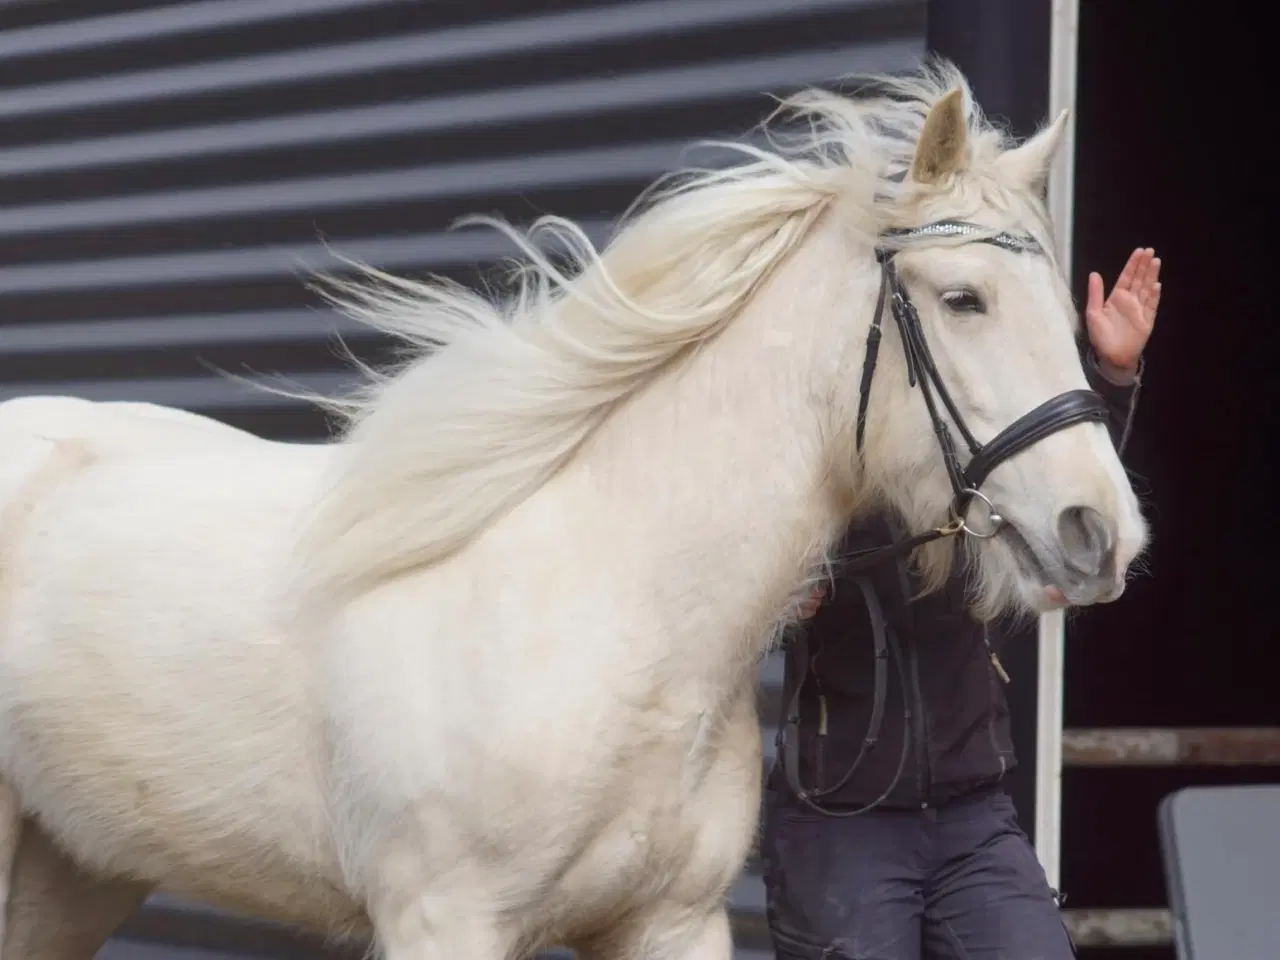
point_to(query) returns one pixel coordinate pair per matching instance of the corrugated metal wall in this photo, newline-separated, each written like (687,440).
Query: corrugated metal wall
(168,171)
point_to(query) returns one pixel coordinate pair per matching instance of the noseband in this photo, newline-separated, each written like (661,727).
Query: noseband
(1065,410)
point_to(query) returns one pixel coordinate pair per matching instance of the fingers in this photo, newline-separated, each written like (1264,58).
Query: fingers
(1149,272)
(1097,299)
(1136,294)
(1152,274)
(1133,270)
(1148,287)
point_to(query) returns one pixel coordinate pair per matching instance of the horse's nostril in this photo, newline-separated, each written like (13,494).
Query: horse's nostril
(1088,540)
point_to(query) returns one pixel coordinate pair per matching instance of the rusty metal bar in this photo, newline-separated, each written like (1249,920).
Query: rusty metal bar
(1171,746)
(1119,928)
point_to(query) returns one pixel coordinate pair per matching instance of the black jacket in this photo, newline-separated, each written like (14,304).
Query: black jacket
(956,736)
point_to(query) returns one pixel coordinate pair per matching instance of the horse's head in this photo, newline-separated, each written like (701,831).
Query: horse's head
(971,288)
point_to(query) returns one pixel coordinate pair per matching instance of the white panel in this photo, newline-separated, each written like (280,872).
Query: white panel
(1051,635)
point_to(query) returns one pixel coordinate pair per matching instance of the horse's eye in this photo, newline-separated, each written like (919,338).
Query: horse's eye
(963,301)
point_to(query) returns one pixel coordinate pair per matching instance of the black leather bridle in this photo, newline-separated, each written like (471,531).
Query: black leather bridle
(1065,410)
(1060,412)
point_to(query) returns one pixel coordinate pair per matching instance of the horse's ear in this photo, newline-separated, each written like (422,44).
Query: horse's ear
(943,148)
(1028,166)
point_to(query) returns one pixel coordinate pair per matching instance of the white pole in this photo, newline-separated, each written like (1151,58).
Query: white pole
(1051,634)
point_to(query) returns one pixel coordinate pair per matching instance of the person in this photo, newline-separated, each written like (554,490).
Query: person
(914,851)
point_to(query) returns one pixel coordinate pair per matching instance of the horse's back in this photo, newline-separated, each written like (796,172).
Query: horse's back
(121,420)
(154,702)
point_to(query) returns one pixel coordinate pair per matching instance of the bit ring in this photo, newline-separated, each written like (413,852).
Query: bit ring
(960,506)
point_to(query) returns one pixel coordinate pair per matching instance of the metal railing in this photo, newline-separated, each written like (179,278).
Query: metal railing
(1155,747)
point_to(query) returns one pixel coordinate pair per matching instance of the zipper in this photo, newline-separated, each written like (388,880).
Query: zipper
(919,720)
(820,740)
(995,658)
(819,761)
(998,671)
(919,727)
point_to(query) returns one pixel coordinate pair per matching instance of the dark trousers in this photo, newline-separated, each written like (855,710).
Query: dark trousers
(958,883)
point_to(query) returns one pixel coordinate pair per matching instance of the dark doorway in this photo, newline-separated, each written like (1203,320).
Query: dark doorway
(1174,151)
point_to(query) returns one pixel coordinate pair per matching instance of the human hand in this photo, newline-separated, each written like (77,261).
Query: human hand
(1120,325)
(810,604)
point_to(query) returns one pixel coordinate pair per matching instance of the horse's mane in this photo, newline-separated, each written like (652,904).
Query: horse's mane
(494,396)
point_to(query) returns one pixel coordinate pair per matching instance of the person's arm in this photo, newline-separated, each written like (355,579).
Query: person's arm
(1119,327)
(1122,398)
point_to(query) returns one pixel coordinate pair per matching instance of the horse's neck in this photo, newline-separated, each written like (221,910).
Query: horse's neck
(717,481)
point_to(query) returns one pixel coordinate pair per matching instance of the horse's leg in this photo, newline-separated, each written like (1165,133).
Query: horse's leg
(56,910)
(667,934)
(440,939)
(444,918)
(440,927)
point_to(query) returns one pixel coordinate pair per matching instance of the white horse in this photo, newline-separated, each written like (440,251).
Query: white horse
(479,678)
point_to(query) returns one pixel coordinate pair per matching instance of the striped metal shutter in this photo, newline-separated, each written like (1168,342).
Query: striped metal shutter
(170,171)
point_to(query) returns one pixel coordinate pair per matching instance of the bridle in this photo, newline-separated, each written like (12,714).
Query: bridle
(1058,413)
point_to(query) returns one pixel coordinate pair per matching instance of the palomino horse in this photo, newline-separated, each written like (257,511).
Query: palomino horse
(479,678)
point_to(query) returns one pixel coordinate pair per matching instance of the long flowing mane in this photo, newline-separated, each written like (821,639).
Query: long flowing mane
(494,395)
